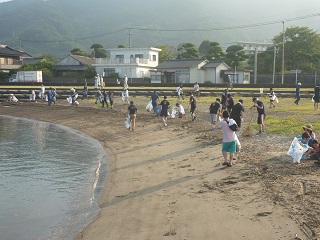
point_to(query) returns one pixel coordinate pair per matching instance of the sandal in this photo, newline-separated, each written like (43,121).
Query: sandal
(229,164)
(225,163)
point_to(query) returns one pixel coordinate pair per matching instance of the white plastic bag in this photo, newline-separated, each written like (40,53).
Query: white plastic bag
(127,122)
(149,106)
(173,113)
(69,99)
(296,150)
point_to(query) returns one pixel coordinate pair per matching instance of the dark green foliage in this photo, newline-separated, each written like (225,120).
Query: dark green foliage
(187,51)
(90,72)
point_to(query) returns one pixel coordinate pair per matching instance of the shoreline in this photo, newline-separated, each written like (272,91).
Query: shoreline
(167,181)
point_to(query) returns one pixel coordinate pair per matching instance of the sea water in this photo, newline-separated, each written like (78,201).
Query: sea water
(50,180)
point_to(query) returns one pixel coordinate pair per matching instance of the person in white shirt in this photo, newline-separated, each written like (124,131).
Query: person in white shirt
(196,88)
(229,140)
(181,111)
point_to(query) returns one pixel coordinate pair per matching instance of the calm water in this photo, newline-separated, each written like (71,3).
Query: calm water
(50,180)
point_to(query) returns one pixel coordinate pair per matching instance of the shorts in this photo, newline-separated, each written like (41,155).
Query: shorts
(229,146)
(193,108)
(164,114)
(261,118)
(213,117)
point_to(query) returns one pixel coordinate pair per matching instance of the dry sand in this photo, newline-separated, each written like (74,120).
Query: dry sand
(168,182)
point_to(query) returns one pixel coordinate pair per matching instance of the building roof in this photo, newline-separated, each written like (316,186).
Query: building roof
(180,63)
(214,64)
(10,52)
(32,60)
(83,60)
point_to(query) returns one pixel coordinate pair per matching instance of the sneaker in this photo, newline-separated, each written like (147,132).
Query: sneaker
(165,124)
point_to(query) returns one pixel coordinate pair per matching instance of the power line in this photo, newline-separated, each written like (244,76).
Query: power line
(229,28)
(175,30)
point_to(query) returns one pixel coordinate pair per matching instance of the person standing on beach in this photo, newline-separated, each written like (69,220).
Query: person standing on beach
(32,96)
(193,105)
(224,99)
(316,97)
(196,88)
(154,99)
(50,96)
(229,140)
(297,94)
(110,95)
(132,112)
(164,110)
(261,114)
(98,96)
(42,92)
(230,102)
(272,98)
(214,109)
(105,98)
(237,113)
(85,92)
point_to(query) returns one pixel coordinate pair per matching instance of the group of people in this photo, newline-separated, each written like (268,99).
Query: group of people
(104,98)
(308,139)
(315,98)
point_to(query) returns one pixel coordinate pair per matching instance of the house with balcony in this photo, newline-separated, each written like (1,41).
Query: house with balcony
(136,63)
(189,71)
(11,59)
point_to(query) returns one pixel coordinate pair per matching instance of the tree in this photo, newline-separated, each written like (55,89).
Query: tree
(167,53)
(187,51)
(78,51)
(121,46)
(235,55)
(90,72)
(99,52)
(301,46)
(211,50)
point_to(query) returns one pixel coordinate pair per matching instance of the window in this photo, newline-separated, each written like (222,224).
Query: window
(139,56)
(154,58)
(120,58)
(182,76)
(109,71)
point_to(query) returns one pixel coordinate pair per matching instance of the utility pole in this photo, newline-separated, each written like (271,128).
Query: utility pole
(255,66)
(282,72)
(274,63)
(129,33)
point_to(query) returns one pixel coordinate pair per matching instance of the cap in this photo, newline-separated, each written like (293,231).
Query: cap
(218,99)
(165,97)
(240,100)
(299,83)
(254,98)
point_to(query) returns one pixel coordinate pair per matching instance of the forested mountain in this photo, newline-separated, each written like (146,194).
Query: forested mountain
(58,26)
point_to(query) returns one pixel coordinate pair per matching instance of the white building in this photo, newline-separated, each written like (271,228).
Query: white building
(190,71)
(133,62)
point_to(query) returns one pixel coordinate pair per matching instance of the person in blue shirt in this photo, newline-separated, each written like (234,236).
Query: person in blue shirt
(154,99)
(297,94)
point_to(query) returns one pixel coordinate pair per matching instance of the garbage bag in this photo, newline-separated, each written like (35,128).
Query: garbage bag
(149,106)
(296,150)
(127,122)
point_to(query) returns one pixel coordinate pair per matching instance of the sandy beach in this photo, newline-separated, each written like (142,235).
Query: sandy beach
(168,182)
